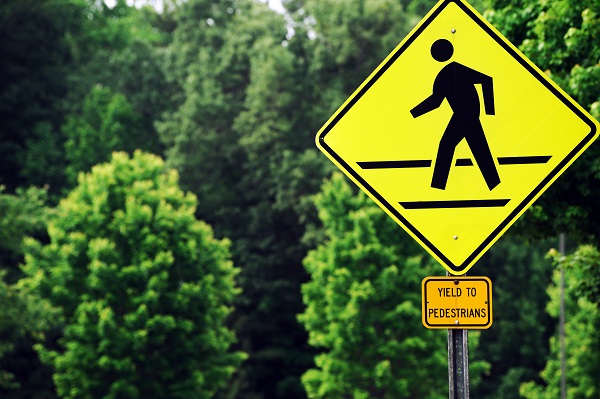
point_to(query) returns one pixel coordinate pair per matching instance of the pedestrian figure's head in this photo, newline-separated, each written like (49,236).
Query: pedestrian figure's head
(442,50)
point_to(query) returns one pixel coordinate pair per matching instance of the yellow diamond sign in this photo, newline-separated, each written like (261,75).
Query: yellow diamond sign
(456,134)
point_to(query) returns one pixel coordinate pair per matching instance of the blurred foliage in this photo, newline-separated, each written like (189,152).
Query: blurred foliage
(22,316)
(142,287)
(241,137)
(107,123)
(23,214)
(582,330)
(520,274)
(34,66)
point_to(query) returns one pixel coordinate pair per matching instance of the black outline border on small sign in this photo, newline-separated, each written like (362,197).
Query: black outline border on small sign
(460,269)
(484,326)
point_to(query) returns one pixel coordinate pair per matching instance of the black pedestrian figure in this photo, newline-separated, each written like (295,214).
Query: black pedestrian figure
(456,83)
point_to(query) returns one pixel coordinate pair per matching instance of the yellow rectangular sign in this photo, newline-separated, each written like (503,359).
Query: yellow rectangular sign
(457,302)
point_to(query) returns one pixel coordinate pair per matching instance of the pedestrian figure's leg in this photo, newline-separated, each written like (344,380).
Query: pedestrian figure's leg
(445,155)
(483,156)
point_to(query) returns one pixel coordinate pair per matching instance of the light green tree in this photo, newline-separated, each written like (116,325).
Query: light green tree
(142,286)
(363,306)
(582,332)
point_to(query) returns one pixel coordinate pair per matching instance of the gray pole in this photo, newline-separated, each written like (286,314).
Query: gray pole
(563,371)
(458,363)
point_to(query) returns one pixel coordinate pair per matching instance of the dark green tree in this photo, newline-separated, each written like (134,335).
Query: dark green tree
(348,41)
(121,49)
(99,36)
(107,123)
(35,61)
(52,55)
(142,287)
(582,331)
(23,318)
(232,137)
(138,75)
(23,214)
(520,275)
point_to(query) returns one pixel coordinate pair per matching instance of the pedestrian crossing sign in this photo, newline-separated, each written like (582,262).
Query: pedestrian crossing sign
(455,134)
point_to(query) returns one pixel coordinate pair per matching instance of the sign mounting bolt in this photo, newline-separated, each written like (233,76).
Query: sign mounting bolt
(453,30)
(455,238)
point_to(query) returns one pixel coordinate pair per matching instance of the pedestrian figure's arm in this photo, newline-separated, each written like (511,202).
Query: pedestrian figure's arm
(487,86)
(429,104)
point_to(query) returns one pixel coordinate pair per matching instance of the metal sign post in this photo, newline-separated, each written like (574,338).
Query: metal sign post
(458,364)
(458,304)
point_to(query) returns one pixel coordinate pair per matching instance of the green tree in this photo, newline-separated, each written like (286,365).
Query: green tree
(121,50)
(582,332)
(52,55)
(520,274)
(348,41)
(240,146)
(99,36)
(137,74)
(142,287)
(23,214)
(363,306)
(23,318)
(107,123)
(34,67)
(44,160)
